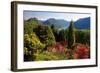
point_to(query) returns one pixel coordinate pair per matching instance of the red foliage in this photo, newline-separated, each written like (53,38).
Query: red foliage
(58,47)
(78,51)
(81,51)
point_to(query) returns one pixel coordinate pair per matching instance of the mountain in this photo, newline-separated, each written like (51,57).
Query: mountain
(34,20)
(58,23)
(30,24)
(83,23)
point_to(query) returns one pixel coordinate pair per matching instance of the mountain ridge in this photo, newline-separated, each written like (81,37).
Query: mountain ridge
(82,23)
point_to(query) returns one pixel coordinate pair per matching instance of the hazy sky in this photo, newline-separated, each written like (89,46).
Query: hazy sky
(42,15)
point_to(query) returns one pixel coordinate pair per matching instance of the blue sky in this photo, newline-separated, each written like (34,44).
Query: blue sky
(44,15)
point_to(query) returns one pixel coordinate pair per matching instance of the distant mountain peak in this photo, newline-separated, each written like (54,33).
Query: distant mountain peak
(31,19)
(34,20)
(58,23)
(83,23)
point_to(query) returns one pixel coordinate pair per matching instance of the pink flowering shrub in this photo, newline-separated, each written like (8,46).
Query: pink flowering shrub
(81,51)
(58,48)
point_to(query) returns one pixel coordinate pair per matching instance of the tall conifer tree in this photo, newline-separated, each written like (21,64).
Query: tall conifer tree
(71,35)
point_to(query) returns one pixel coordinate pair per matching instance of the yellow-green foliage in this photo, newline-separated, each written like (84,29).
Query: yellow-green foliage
(46,56)
(32,45)
(50,56)
(26,51)
(29,25)
(32,42)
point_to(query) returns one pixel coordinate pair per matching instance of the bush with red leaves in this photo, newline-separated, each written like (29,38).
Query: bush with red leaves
(81,51)
(58,48)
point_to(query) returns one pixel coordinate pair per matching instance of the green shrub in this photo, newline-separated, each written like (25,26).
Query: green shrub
(46,56)
(32,45)
(45,34)
(50,56)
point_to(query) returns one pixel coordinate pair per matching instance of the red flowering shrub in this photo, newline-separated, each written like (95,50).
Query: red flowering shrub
(58,48)
(81,51)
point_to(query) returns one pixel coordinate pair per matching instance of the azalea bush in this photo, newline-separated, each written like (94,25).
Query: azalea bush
(58,48)
(81,51)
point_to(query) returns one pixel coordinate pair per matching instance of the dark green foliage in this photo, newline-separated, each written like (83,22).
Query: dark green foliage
(55,32)
(28,55)
(62,35)
(83,36)
(71,35)
(52,27)
(45,34)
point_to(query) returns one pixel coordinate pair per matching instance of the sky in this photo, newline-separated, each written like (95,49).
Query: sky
(44,15)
